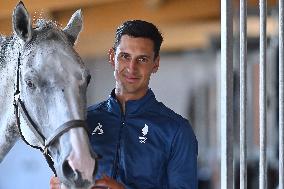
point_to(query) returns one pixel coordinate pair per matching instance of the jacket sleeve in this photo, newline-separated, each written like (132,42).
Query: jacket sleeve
(182,165)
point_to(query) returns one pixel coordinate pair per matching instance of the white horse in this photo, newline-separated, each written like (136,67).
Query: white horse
(43,84)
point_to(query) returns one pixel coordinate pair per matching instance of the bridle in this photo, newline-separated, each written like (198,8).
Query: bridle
(45,142)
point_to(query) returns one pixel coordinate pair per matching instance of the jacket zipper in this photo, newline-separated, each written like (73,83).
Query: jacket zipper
(117,156)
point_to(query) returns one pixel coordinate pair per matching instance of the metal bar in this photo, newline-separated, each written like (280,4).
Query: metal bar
(243,93)
(262,97)
(281,94)
(226,100)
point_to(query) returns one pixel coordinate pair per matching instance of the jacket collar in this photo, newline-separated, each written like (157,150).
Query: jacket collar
(132,106)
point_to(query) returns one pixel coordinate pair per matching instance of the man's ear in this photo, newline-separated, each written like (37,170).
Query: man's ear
(156,64)
(111,56)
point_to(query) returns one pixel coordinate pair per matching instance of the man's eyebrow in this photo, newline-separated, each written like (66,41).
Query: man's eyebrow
(124,53)
(144,56)
(139,56)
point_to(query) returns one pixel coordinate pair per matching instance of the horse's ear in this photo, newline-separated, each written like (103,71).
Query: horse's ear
(74,26)
(22,25)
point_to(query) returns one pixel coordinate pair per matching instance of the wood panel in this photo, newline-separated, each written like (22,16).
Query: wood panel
(7,6)
(177,37)
(255,3)
(185,24)
(178,20)
(106,17)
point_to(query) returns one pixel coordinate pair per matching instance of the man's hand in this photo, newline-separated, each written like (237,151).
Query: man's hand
(54,183)
(108,182)
(103,182)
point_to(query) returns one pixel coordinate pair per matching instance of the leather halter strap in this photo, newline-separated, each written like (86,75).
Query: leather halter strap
(63,129)
(46,142)
(19,107)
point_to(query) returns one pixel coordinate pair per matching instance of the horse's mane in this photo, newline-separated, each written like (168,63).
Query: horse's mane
(5,44)
(46,24)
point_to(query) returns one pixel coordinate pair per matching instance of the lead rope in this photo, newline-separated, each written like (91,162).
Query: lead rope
(16,102)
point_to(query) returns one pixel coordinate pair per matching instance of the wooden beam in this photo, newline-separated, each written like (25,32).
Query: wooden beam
(185,24)
(108,17)
(7,7)
(255,3)
(5,26)
(253,26)
(155,3)
(178,36)
(174,18)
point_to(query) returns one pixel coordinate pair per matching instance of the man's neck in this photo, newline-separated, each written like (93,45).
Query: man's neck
(123,97)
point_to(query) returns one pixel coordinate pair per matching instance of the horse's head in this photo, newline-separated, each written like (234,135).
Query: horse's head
(52,81)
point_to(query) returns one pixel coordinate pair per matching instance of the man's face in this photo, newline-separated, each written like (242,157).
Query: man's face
(133,64)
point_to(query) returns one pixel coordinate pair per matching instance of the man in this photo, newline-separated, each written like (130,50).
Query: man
(142,143)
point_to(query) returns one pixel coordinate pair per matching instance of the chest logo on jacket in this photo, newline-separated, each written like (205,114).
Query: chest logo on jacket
(98,130)
(142,139)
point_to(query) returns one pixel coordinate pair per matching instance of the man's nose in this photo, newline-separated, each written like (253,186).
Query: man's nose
(132,66)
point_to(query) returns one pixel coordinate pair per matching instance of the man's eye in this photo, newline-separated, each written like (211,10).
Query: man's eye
(124,57)
(143,60)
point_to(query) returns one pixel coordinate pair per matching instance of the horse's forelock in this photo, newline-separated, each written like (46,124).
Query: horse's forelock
(44,23)
(45,30)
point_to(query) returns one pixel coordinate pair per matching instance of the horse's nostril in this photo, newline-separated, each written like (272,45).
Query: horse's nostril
(68,171)
(74,176)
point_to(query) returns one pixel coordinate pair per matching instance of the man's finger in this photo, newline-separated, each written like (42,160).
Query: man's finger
(54,183)
(101,182)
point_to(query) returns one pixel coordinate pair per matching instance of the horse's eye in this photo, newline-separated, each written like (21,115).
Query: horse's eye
(30,84)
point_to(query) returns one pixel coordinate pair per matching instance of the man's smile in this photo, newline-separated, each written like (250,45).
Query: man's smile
(131,78)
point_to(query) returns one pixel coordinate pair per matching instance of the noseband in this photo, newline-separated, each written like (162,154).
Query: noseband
(45,142)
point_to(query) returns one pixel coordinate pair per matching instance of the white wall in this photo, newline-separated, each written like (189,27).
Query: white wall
(24,168)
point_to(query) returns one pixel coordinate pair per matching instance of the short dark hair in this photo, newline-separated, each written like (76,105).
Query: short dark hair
(139,28)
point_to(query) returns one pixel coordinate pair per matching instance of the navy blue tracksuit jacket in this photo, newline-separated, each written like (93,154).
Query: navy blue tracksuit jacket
(149,146)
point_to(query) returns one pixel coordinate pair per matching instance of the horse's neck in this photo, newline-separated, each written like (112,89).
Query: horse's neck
(8,66)
(9,51)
